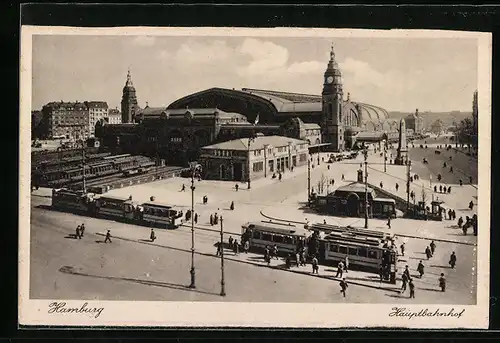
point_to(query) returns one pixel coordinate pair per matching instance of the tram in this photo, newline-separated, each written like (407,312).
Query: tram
(116,208)
(285,236)
(66,200)
(158,214)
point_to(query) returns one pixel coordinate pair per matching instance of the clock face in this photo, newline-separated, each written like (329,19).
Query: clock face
(329,79)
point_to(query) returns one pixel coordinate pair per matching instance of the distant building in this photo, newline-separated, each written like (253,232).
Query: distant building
(114,117)
(415,122)
(266,155)
(437,127)
(129,101)
(65,120)
(97,111)
(36,124)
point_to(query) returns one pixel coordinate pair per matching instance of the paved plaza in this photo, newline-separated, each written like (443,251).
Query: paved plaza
(131,268)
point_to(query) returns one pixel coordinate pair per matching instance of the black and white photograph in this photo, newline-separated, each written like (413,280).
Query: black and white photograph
(254,177)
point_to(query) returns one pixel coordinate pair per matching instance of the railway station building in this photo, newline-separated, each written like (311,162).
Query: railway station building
(243,158)
(329,121)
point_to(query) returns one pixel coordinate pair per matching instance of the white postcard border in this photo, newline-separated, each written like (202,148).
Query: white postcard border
(214,314)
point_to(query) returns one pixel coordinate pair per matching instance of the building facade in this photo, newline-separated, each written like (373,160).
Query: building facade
(97,111)
(415,122)
(114,117)
(65,119)
(129,101)
(243,159)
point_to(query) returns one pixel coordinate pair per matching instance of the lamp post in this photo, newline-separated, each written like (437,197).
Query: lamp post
(308,180)
(222,283)
(366,188)
(385,156)
(250,140)
(194,168)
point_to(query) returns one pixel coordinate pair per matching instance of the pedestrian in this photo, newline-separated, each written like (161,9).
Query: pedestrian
(230,241)
(428,252)
(82,229)
(343,286)
(108,237)
(315,264)
(183,189)
(275,251)
(297,259)
(407,273)
(433,247)
(288,261)
(236,187)
(77,233)
(454,215)
(420,269)
(236,247)
(397,187)
(442,282)
(471,205)
(381,184)
(389,222)
(303,257)
(211,219)
(231,207)
(246,246)
(449,214)
(453,260)
(219,248)
(404,280)
(216,218)
(412,289)
(280,176)
(460,182)
(402,247)
(340,269)
(196,218)
(267,258)
(346,264)
(460,222)
(343,177)
(152,235)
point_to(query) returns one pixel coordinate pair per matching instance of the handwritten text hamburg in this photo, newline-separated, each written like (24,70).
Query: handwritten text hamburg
(60,307)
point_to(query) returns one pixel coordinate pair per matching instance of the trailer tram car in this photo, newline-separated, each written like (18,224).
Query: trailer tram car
(365,253)
(162,215)
(66,200)
(285,236)
(118,208)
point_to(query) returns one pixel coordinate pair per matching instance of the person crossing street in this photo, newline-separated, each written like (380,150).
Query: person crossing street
(343,286)
(108,237)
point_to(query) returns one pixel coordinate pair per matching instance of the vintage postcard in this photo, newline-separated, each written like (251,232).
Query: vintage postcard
(225,177)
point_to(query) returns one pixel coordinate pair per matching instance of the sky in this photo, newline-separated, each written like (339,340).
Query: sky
(398,74)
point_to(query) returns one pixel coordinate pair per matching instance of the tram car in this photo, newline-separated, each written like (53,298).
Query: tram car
(285,236)
(367,253)
(66,200)
(384,208)
(327,229)
(161,215)
(118,208)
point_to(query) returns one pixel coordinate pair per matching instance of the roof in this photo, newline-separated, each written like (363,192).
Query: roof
(257,144)
(159,111)
(66,105)
(370,136)
(96,104)
(355,187)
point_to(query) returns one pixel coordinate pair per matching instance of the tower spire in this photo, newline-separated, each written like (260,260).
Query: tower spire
(129,79)
(332,53)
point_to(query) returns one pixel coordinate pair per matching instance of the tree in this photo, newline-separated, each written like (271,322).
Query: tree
(467,133)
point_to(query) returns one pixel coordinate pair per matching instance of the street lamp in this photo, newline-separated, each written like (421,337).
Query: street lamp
(194,168)
(250,140)
(222,284)
(366,188)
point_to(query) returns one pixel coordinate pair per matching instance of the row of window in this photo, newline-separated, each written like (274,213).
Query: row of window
(312,132)
(353,251)
(258,166)
(275,238)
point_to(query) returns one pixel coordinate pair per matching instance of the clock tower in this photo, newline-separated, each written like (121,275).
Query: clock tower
(129,101)
(332,100)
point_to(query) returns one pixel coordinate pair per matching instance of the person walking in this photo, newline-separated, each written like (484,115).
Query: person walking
(82,229)
(77,233)
(288,261)
(402,247)
(297,259)
(236,247)
(230,241)
(211,219)
(471,205)
(428,252)
(404,279)
(397,187)
(219,249)
(442,282)
(433,248)
(196,218)
(246,246)
(412,288)
(381,184)
(343,177)
(183,189)
(453,260)
(267,257)
(407,272)
(231,207)
(108,237)
(389,222)
(236,187)
(343,287)
(460,222)
(420,269)
(340,269)
(152,235)
(346,263)
(314,264)
(275,251)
